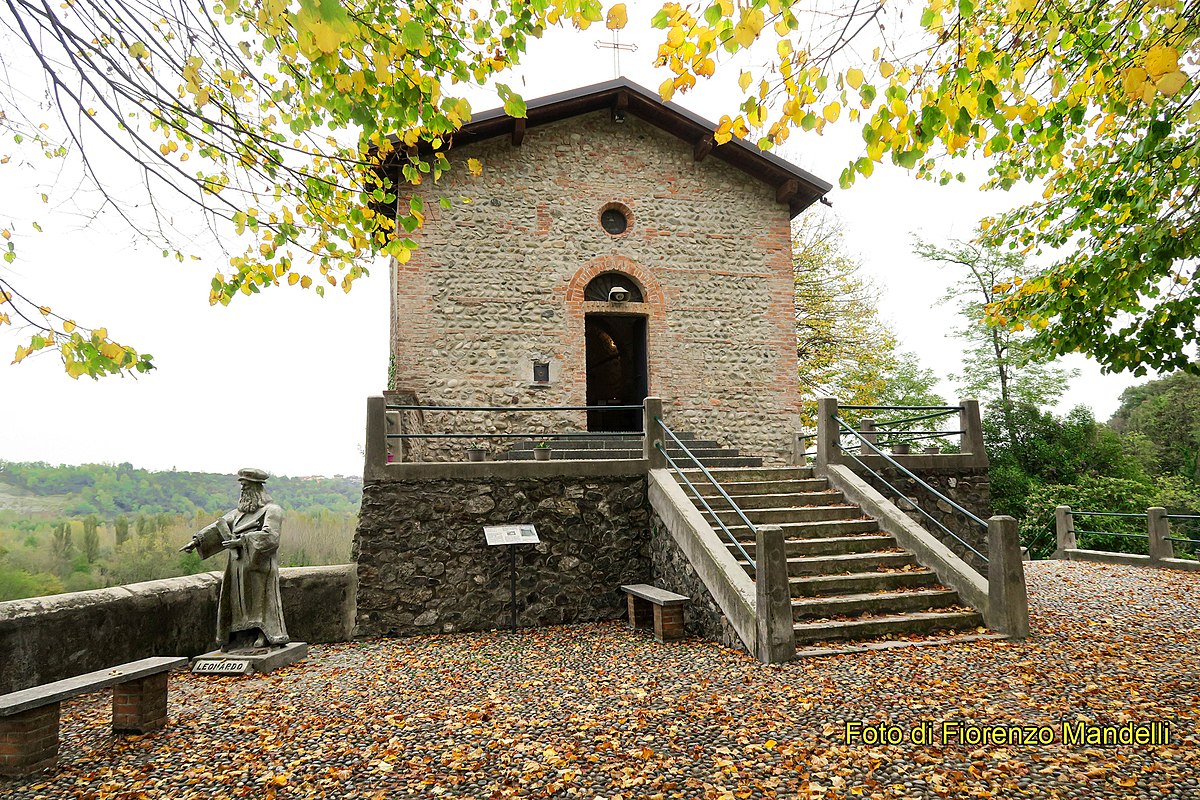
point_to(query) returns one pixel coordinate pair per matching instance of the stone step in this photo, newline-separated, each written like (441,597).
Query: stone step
(846,563)
(891,625)
(829,497)
(878,604)
(837,545)
(743,488)
(754,474)
(860,582)
(820,529)
(777,516)
(719,464)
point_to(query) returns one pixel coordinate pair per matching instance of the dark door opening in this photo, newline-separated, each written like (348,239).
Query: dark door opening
(617,370)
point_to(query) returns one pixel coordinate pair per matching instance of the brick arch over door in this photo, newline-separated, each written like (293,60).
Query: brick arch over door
(653,309)
(652,291)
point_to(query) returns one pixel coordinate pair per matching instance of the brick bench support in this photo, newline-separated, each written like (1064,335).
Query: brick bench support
(29,718)
(650,606)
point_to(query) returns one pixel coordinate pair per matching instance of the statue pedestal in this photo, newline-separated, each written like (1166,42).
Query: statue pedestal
(249,659)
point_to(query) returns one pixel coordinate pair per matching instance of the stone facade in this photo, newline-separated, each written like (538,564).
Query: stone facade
(672,571)
(966,486)
(498,283)
(424,566)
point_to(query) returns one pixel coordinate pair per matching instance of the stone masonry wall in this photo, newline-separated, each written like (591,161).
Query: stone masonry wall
(967,487)
(672,571)
(424,567)
(498,283)
(44,639)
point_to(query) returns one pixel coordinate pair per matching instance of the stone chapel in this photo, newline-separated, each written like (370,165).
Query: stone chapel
(609,251)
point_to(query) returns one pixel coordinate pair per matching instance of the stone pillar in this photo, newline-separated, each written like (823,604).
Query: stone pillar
(1008,601)
(866,427)
(829,437)
(1159,528)
(652,409)
(29,741)
(375,447)
(775,639)
(668,622)
(1064,531)
(799,450)
(394,423)
(972,427)
(140,706)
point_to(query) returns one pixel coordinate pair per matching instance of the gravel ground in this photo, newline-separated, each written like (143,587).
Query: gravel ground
(596,711)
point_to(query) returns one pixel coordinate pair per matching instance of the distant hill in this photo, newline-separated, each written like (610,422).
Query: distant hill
(109,490)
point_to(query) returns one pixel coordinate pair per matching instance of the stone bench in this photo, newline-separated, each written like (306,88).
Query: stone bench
(665,607)
(29,718)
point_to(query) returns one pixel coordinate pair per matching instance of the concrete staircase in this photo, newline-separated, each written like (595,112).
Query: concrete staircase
(849,580)
(575,448)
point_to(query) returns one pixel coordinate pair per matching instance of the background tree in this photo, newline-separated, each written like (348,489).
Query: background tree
(1000,365)
(63,543)
(1092,100)
(843,347)
(1165,415)
(91,538)
(121,530)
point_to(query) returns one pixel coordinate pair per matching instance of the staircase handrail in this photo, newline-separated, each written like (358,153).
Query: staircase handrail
(715,483)
(925,485)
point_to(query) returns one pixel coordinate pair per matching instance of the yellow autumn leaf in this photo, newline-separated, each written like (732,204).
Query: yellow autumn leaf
(854,77)
(305,282)
(1171,83)
(617,18)
(744,80)
(748,27)
(6,233)
(1133,82)
(886,69)
(1160,60)
(474,166)
(138,50)
(69,325)
(21,353)
(667,90)
(293,279)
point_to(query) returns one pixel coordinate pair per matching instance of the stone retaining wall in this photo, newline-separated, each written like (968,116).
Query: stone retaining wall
(967,486)
(672,571)
(424,567)
(45,639)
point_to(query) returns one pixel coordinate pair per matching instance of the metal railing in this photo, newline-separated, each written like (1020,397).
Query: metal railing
(845,427)
(725,495)
(407,435)
(885,431)
(1072,513)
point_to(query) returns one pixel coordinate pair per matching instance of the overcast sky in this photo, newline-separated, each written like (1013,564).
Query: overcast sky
(280,380)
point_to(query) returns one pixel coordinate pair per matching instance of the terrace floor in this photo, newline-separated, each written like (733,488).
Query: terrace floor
(596,711)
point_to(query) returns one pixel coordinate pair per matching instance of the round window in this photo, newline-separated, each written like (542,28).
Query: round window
(614,221)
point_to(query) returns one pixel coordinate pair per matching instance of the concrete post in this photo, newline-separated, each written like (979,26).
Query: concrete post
(799,450)
(375,448)
(972,427)
(394,423)
(1064,531)
(829,437)
(1159,528)
(866,427)
(651,411)
(1008,601)
(775,639)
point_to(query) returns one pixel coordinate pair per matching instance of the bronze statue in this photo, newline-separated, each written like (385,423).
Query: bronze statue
(249,614)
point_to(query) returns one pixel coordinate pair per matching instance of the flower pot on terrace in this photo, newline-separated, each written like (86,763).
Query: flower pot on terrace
(476,454)
(541,454)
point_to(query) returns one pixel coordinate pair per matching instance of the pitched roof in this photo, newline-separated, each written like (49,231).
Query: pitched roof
(794,186)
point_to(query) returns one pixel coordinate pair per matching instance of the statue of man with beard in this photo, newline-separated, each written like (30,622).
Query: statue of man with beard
(249,614)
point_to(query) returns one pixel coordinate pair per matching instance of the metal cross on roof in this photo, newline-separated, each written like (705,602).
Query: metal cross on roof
(616,47)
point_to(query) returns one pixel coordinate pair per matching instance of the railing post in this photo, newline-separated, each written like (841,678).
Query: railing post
(394,423)
(799,450)
(1064,531)
(375,448)
(652,411)
(775,639)
(866,427)
(1008,600)
(1159,528)
(829,436)
(972,427)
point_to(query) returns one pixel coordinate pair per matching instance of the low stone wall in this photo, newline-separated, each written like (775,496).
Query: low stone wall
(672,571)
(45,639)
(424,566)
(967,486)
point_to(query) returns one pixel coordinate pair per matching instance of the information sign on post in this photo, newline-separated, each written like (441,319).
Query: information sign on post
(511,535)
